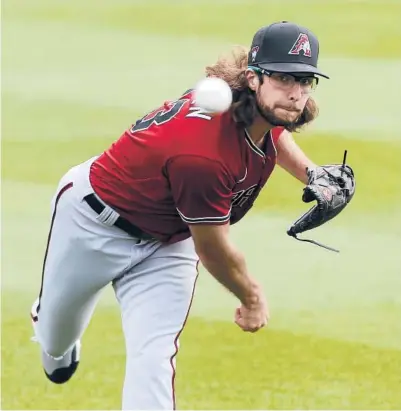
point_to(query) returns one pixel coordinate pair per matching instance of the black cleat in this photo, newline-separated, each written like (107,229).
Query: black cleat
(63,374)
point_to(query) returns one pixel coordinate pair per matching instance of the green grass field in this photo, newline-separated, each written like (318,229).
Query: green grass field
(75,74)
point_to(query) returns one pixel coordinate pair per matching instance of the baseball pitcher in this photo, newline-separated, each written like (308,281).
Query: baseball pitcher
(141,215)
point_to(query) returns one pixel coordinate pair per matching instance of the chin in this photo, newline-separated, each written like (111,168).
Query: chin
(279,117)
(286,116)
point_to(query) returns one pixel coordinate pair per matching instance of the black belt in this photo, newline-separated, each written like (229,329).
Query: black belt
(121,222)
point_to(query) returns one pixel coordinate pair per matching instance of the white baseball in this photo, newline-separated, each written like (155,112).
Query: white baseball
(213,95)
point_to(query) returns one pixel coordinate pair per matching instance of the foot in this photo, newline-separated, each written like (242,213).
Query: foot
(57,369)
(60,370)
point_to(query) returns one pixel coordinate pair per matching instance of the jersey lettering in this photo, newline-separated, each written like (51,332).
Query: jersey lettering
(159,116)
(198,112)
(242,196)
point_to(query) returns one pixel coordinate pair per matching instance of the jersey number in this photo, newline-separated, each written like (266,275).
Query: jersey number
(159,116)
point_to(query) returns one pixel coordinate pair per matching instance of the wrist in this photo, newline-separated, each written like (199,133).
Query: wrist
(253,296)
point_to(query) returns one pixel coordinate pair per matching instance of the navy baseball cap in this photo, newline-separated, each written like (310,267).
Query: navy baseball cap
(285,47)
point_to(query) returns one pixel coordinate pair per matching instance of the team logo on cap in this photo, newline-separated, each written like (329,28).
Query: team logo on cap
(254,52)
(301,44)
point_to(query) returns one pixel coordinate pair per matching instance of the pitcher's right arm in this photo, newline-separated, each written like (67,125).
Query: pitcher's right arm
(202,190)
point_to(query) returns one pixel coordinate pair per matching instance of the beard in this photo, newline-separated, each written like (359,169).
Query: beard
(268,114)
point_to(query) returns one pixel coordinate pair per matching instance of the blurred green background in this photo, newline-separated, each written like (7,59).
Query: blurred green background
(75,74)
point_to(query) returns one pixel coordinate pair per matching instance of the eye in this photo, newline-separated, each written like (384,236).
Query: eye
(284,78)
(307,81)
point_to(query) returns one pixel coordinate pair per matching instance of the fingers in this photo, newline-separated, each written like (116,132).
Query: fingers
(249,324)
(237,314)
(252,328)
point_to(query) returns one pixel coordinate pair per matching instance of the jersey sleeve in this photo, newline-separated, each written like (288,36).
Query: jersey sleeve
(276,133)
(201,188)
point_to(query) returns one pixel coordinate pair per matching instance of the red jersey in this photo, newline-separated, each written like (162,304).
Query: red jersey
(179,166)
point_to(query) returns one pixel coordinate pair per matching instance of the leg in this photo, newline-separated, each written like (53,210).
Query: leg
(81,258)
(155,298)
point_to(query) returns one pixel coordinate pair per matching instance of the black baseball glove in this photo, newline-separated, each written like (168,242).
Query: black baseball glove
(332,186)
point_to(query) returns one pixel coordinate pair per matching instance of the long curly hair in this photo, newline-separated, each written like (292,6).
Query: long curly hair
(231,68)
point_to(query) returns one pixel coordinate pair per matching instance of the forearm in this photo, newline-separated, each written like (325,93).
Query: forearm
(291,158)
(229,268)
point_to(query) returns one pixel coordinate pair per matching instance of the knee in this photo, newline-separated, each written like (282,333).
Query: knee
(54,340)
(55,350)
(150,366)
(148,358)
(54,345)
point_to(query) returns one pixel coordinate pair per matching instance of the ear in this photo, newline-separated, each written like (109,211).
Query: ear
(253,79)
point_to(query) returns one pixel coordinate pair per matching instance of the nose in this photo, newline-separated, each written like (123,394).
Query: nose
(295,93)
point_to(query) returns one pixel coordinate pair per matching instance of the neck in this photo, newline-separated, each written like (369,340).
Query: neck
(258,129)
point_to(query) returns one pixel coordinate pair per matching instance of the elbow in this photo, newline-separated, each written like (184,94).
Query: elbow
(207,253)
(211,242)
(213,252)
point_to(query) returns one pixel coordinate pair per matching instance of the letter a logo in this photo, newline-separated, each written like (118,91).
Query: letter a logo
(301,44)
